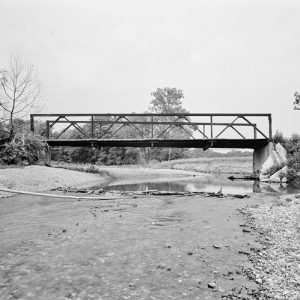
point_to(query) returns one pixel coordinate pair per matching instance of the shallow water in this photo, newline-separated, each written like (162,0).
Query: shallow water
(205,183)
(149,247)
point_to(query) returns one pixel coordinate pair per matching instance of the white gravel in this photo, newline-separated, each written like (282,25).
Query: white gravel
(277,265)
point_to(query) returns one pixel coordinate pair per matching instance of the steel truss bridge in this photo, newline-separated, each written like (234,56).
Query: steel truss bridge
(182,130)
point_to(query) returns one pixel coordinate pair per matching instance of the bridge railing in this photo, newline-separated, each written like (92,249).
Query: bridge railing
(154,126)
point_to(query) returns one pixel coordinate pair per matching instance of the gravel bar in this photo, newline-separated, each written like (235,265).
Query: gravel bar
(276,265)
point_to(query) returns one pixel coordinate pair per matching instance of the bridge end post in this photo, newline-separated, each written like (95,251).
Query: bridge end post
(260,155)
(32,123)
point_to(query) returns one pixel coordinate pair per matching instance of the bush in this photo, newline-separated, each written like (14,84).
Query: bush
(23,149)
(91,169)
(292,146)
(292,176)
(279,138)
(275,169)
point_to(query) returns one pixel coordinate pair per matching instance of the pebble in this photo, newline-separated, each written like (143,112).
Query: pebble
(276,265)
(211,285)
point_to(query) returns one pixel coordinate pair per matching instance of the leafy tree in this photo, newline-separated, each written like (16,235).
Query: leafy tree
(19,90)
(167,100)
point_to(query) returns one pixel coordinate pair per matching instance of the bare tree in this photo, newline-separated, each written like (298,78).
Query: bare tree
(19,90)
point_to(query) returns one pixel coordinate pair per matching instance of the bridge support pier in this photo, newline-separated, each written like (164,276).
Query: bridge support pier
(260,155)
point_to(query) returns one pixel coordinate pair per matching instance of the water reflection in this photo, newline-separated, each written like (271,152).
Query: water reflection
(207,183)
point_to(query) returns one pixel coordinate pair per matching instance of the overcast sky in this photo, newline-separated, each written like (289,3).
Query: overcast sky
(108,56)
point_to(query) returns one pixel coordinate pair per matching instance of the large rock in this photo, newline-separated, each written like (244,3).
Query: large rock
(277,157)
(268,164)
(264,178)
(281,153)
(280,176)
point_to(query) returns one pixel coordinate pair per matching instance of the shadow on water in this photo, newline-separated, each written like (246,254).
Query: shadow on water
(205,183)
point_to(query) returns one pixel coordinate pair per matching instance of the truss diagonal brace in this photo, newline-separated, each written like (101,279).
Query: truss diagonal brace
(229,125)
(254,126)
(195,127)
(135,127)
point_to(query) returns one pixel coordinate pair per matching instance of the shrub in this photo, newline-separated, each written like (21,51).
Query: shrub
(91,169)
(292,146)
(279,138)
(23,149)
(292,176)
(275,169)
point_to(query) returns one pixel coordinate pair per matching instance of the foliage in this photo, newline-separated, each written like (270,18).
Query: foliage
(297,100)
(167,100)
(193,153)
(23,149)
(275,168)
(104,156)
(279,138)
(91,169)
(292,146)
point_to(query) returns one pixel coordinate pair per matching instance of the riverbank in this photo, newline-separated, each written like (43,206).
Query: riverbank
(41,178)
(217,165)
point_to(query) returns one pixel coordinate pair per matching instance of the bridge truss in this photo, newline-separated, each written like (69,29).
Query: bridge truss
(194,130)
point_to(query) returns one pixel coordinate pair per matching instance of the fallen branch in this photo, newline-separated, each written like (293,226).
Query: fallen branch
(75,190)
(54,196)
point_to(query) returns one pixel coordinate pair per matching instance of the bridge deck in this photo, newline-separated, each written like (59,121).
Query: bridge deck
(193,143)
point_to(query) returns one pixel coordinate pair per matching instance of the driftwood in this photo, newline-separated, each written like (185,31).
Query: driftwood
(246,177)
(80,191)
(219,194)
(205,194)
(54,196)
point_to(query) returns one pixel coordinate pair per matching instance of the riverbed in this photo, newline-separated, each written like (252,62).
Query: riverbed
(129,247)
(145,247)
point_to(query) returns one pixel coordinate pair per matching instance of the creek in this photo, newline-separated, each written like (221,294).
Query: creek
(205,183)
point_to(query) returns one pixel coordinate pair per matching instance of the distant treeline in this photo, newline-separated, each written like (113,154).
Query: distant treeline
(120,156)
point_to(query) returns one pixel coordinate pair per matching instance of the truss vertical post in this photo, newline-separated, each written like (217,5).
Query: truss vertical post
(92,127)
(255,132)
(48,129)
(270,126)
(152,132)
(32,123)
(211,127)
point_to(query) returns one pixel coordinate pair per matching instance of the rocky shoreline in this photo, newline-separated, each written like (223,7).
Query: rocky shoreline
(276,265)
